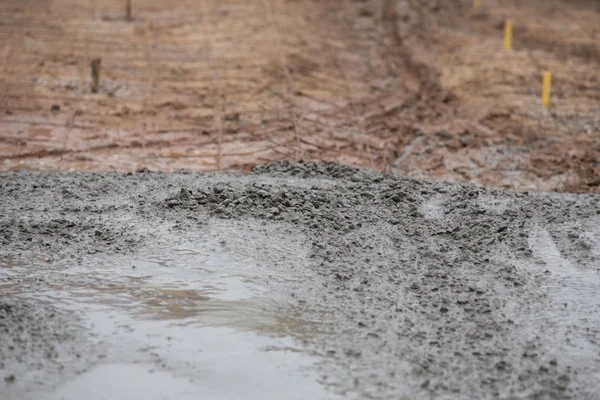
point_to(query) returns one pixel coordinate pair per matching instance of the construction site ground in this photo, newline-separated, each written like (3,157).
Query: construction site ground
(421,89)
(170,231)
(298,281)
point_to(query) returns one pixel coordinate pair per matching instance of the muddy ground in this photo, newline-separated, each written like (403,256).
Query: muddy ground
(420,88)
(305,281)
(299,280)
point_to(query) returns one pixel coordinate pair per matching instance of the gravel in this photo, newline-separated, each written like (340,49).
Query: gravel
(426,289)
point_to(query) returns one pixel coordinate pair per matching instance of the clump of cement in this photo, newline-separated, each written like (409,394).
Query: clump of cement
(36,335)
(427,289)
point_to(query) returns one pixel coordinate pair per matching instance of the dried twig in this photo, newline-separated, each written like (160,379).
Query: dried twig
(286,71)
(128,16)
(95,64)
(216,86)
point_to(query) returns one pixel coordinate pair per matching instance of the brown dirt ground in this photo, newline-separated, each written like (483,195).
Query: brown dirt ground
(421,88)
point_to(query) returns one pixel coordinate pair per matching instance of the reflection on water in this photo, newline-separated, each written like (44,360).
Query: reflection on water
(199,323)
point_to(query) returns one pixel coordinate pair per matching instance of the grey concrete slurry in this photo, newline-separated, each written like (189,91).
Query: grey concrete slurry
(297,281)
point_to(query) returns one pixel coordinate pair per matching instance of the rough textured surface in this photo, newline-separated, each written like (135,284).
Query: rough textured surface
(422,289)
(36,333)
(37,336)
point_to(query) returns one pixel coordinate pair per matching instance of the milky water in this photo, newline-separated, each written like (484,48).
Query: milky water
(200,321)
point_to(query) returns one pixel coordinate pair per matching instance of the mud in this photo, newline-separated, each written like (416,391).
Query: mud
(419,88)
(361,285)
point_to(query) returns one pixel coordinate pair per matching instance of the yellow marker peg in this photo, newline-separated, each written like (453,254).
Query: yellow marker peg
(546,89)
(508,29)
(476,4)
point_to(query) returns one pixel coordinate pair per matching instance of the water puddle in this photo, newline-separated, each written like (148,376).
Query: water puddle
(196,362)
(202,319)
(126,381)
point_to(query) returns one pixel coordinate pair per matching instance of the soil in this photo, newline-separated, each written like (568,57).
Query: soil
(417,88)
(389,272)
(395,287)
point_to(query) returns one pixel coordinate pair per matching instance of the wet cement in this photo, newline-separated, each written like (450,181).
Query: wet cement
(306,281)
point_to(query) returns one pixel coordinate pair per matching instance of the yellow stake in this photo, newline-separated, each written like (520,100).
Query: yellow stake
(546,89)
(508,28)
(476,3)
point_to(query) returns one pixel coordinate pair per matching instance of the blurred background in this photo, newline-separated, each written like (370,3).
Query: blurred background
(420,88)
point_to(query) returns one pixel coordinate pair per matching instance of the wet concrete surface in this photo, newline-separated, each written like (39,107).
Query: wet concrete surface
(193,318)
(298,281)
